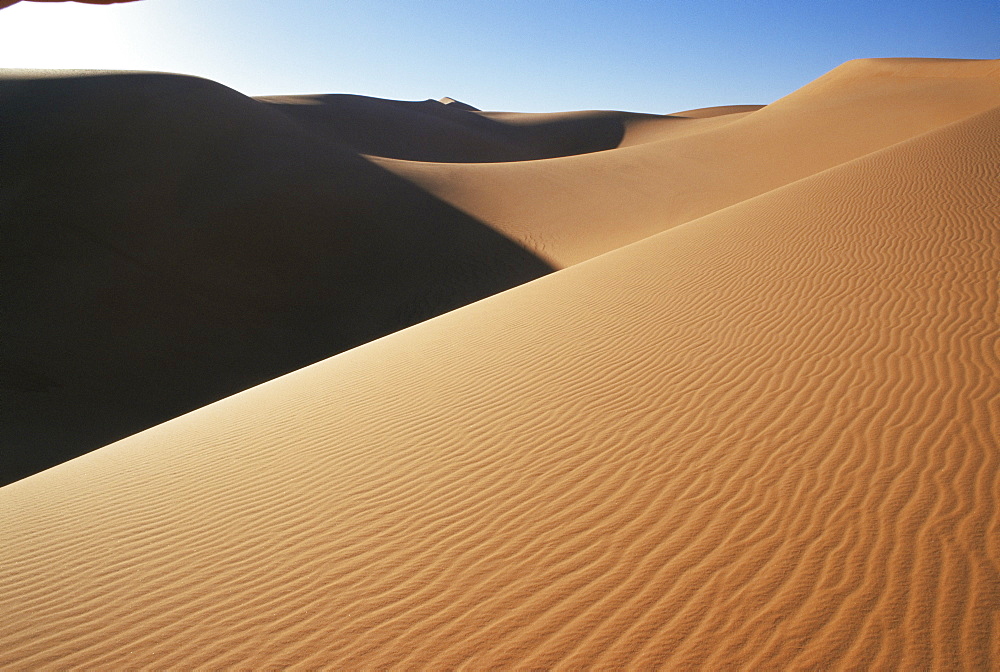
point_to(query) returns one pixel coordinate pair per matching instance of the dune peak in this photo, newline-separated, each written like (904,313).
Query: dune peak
(458,104)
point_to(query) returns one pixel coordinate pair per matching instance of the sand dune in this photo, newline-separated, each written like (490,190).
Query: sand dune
(717,111)
(169,242)
(763,439)
(175,242)
(454,132)
(457,103)
(574,208)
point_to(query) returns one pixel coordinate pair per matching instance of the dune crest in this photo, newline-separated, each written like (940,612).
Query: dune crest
(571,209)
(438,131)
(717,111)
(459,104)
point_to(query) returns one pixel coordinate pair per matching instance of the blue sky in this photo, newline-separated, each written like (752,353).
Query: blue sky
(638,55)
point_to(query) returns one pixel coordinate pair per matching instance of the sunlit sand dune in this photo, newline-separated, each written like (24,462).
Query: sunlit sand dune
(640,131)
(717,111)
(173,241)
(570,209)
(764,439)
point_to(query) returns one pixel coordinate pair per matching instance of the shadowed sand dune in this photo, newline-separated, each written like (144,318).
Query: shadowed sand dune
(764,439)
(454,132)
(570,209)
(169,242)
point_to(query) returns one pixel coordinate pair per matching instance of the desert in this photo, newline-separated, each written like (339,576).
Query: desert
(335,381)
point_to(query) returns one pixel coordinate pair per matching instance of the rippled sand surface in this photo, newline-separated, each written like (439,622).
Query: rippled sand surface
(761,438)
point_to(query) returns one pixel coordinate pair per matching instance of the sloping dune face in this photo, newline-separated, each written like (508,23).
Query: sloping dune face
(765,439)
(169,242)
(676,169)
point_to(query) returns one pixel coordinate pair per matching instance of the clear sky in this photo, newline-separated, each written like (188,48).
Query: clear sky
(521,55)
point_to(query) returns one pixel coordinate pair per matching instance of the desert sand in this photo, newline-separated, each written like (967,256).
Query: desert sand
(750,422)
(175,242)
(574,208)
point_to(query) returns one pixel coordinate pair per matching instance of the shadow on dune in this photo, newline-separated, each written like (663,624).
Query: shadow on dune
(169,242)
(451,132)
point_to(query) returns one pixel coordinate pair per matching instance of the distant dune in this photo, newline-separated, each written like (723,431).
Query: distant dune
(681,168)
(452,132)
(751,425)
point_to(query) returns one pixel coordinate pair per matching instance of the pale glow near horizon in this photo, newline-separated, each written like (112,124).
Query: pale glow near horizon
(51,36)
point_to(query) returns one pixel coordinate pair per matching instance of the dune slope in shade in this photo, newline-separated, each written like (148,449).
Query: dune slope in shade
(433,130)
(169,242)
(765,439)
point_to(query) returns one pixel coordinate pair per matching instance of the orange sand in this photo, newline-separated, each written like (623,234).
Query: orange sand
(764,438)
(570,209)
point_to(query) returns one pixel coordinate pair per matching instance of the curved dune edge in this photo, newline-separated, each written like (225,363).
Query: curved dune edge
(258,241)
(569,209)
(169,242)
(765,439)
(716,111)
(439,131)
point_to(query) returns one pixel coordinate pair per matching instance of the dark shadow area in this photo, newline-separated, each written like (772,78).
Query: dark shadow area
(168,242)
(450,133)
